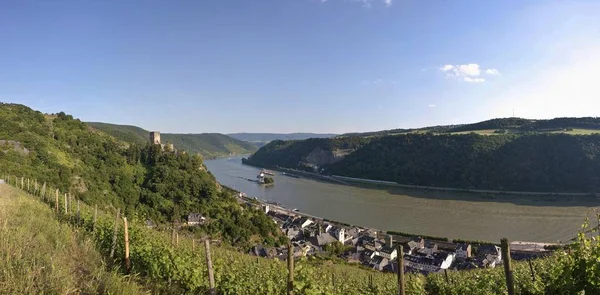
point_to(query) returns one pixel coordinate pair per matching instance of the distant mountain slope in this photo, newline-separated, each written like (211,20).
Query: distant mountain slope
(586,125)
(127,133)
(260,139)
(207,144)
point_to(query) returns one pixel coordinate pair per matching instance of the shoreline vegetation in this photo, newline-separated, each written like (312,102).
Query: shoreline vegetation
(353,181)
(523,163)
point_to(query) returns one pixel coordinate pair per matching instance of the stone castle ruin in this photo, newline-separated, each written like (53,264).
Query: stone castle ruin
(155,139)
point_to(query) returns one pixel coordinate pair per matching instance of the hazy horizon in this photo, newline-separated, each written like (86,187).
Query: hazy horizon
(301,66)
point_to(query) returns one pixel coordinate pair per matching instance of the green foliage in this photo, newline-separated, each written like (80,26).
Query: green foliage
(209,145)
(536,162)
(143,180)
(532,162)
(292,154)
(37,253)
(126,133)
(336,248)
(269,180)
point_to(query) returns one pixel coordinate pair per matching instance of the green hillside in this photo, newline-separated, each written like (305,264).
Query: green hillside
(305,154)
(126,133)
(145,181)
(526,161)
(209,145)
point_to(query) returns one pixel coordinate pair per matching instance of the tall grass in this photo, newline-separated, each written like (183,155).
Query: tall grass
(40,255)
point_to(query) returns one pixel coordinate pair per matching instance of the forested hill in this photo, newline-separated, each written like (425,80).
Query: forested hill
(515,162)
(209,145)
(143,180)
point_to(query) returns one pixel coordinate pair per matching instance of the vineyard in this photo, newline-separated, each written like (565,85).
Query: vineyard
(182,268)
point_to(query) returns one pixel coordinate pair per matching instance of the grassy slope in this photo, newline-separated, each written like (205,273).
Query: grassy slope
(41,255)
(207,144)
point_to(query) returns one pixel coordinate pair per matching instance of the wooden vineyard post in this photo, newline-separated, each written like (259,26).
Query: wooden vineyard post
(56,201)
(211,275)
(44,191)
(176,239)
(400,257)
(114,240)
(95,217)
(28,184)
(510,284)
(173,233)
(531,268)
(78,213)
(127,262)
(66,204)
(290,261)
(193,245)
(22,182)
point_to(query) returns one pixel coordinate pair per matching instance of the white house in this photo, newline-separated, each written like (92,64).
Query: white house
(491,255)
(388,252)
(339,233)
(303,222)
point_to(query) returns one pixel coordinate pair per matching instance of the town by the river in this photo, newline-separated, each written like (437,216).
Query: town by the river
(445,214)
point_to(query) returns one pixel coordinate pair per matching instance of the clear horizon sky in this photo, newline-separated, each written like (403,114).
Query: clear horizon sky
(326,66)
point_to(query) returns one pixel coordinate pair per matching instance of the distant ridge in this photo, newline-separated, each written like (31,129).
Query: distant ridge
(260,139)
(209,145)
(584,125)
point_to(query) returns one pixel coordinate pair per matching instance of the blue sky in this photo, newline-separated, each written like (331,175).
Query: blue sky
(301,65)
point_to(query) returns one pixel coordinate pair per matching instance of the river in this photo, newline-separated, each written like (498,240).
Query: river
(445,214)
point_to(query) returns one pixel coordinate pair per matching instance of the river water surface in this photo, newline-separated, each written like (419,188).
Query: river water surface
(445,214)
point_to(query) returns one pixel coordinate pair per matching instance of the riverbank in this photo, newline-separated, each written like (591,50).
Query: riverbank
(449,189)
(354,181)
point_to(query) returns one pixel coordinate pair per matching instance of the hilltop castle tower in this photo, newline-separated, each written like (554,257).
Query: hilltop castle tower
(155,137)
